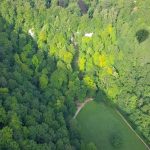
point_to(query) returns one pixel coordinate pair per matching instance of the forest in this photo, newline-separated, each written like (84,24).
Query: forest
(57,53)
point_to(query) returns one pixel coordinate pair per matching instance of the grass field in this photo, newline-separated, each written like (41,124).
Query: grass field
(98,123)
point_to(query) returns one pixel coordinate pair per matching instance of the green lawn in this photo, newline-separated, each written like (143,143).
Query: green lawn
(98,122)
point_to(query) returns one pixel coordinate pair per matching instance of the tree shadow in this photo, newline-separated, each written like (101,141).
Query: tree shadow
(63,3)
(142,35)
(83,6)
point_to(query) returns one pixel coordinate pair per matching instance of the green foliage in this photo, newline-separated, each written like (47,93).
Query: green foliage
(81,63)
(116,140)
(89,82)
(43,76)
(113,91)
(142,35)
(65,56)
(6,139)
(4,90)
(91,146)
(3,116)
(43,81)
(58,78)
(35,61)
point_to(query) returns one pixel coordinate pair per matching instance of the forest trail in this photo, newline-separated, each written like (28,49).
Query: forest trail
(81,105)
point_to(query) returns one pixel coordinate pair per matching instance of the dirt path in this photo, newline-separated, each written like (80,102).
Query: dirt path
(131,128)
(81,105)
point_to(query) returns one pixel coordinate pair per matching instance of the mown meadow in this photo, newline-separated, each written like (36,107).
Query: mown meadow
(102,125)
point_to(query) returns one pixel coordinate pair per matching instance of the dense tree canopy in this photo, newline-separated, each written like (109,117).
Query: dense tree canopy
(48,64)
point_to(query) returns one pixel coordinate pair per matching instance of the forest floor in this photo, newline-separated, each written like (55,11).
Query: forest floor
(81,105)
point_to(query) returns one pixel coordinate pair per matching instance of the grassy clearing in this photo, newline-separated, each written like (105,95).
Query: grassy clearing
(101,125)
